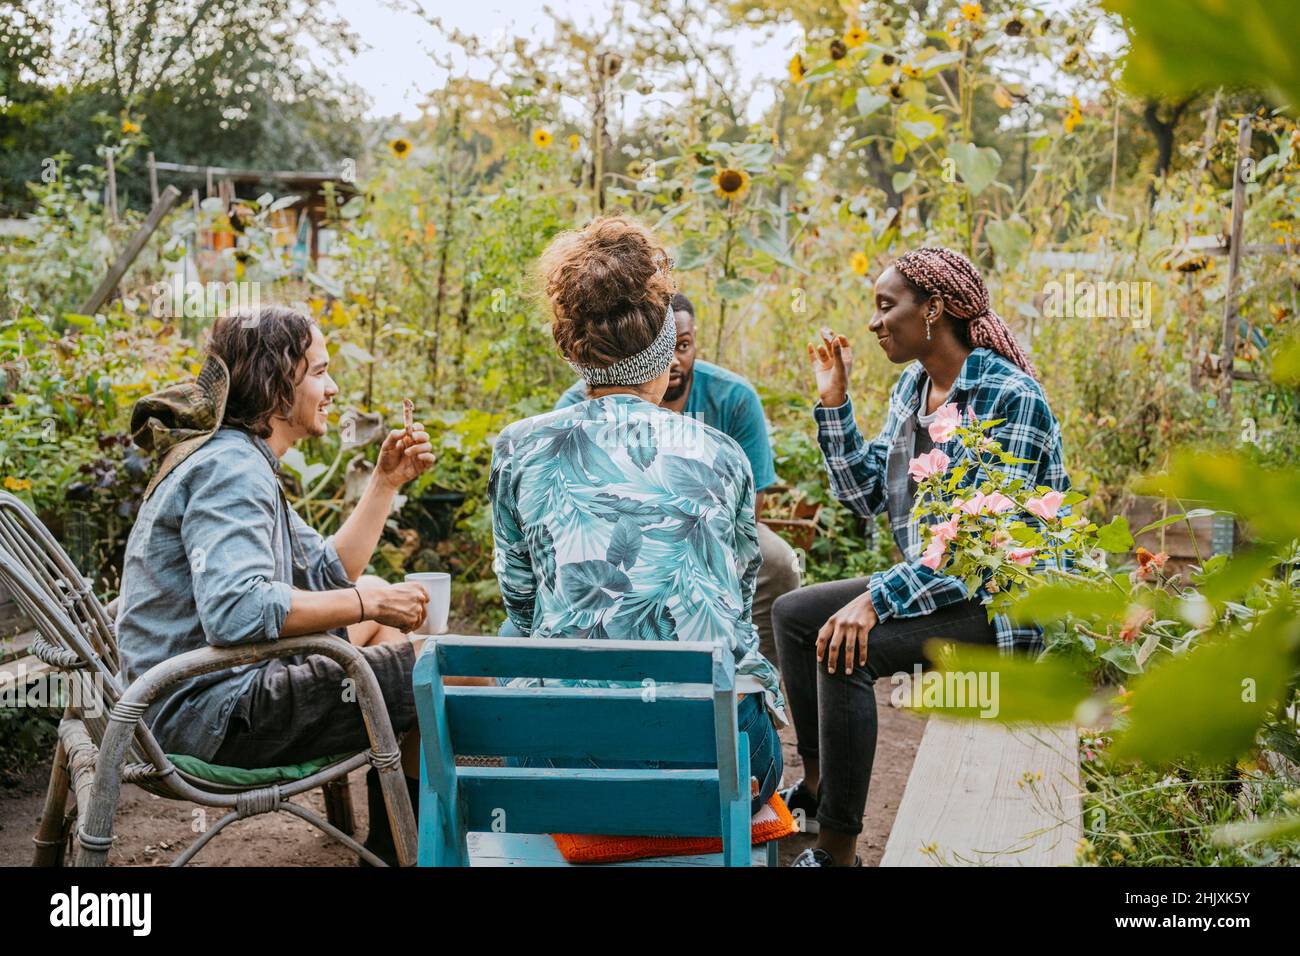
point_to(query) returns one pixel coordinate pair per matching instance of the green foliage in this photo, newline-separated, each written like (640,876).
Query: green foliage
(1242,44)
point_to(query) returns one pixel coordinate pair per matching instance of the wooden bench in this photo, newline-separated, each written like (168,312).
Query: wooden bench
(982,793)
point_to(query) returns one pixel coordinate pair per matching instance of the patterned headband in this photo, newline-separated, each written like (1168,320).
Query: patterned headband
(642,367)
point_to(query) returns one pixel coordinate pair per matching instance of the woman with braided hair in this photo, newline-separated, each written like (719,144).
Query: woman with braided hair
(932,311)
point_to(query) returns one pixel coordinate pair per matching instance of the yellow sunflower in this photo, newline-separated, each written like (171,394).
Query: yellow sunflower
(797,71)
(731,183)
(400,147)
(542,138)
(1074,117)
(972,12)
(129,127)
(17,484)
(575,141)
(859,263)
(855,36)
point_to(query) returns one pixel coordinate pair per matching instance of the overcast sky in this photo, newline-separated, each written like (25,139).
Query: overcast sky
(396,68)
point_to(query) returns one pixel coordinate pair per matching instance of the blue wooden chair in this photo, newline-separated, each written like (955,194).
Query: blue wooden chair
(683,708)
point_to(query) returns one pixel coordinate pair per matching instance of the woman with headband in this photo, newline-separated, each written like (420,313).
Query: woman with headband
(615,518)
(835,639)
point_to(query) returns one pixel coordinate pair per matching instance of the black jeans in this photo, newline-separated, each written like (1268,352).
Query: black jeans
(835,715)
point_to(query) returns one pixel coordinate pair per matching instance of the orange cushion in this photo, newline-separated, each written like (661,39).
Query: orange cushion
(772,822)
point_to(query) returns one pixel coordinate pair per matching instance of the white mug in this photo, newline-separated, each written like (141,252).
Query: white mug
(437,585)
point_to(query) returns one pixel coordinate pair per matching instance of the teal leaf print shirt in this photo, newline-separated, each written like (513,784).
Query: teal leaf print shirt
(617,519)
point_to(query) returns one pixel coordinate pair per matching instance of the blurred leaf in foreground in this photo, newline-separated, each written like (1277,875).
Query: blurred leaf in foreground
(1206,705)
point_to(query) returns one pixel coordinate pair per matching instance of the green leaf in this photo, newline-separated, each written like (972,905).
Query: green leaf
(1206,705)
(1267,498)
(735,289)
(1237,576)
(1236,45)
(1010,239)
(977,166)
(901,181)
(868,101)
(293,460)
(1115,537)
(970,681)
(768,241)
(1286,363)
(1057,601)
(692,254)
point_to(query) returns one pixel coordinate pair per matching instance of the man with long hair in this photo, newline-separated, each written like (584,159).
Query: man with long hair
(218,557)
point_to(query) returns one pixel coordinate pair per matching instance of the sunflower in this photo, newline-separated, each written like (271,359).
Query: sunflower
(731,183)
(855,36)
(972,12)
(575,141)
(129,127)
(542,138)
(797,71)
(1074,117)
(17,484)
(859,263)
(400,147)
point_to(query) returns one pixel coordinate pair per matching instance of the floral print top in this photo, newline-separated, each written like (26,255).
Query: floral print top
(615,518)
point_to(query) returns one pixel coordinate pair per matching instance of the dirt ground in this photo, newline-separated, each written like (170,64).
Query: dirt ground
(151,831)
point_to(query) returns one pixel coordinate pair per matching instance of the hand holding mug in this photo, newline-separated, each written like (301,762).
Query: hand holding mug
(401,606)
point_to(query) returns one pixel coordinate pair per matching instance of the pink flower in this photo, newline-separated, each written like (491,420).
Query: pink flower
(1138,617)
(971,506)
(945,531)
(1022,556)
(1047,506)
(997,503)
(933,462)
(945,423)
(933,556)
(1000,539)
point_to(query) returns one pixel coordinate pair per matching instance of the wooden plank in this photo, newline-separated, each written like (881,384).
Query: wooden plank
(16,646)
(570,723)
(631,802)
(137,243)
(538,849)
(18,672)
(968,799)
(13,619)
(253,175)
(666,661)
(1228,349)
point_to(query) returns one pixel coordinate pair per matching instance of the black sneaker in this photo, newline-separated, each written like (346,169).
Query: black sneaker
(803,806)
(818,857)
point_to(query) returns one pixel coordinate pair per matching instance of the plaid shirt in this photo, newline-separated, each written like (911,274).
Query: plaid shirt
(871,477)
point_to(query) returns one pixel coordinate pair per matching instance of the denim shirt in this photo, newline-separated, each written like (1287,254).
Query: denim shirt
(211,561)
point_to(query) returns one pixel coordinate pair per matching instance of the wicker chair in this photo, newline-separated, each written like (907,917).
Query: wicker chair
(103,742)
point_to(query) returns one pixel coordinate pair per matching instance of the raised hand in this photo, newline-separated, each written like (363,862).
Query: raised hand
(404,455)
(832,362)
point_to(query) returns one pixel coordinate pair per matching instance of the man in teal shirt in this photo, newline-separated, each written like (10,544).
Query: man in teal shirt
(724,400)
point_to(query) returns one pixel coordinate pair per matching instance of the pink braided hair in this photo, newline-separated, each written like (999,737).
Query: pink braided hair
(954,278)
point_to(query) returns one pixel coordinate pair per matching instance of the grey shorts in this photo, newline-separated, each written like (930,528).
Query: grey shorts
(299,708)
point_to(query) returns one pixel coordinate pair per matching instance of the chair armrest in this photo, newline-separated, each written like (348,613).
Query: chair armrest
(206,660)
